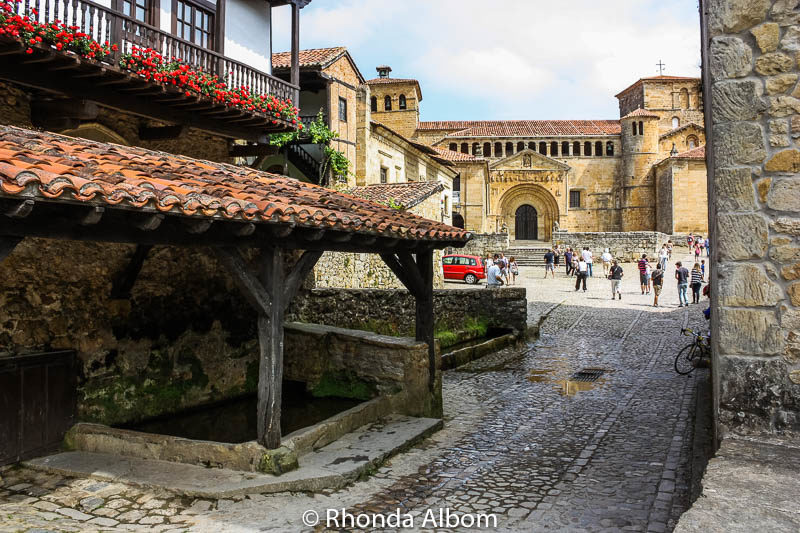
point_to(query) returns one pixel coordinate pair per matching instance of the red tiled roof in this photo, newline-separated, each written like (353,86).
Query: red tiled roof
(694,153)
(641,113)
(313,57)
(407,194)
(450,155)
(684,127)
(56,168)
(524,128)
(388,81)
(664,79)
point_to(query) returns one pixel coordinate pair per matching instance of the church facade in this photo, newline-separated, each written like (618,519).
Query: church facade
(642,172)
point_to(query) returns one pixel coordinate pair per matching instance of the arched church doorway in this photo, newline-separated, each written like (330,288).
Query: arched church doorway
(526,223)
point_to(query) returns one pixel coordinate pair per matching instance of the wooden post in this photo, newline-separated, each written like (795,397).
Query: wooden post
(270,337)
(295,72)
(424,308)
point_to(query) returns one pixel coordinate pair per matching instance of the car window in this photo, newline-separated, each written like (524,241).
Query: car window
(472,262)
(463,260)
(447,260)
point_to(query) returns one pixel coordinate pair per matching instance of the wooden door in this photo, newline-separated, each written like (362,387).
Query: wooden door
(526,224)
(37,403)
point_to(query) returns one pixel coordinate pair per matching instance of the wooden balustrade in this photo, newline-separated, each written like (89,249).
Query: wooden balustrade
(106,25)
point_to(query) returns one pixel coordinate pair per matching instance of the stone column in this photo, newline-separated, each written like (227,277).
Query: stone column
(753,112)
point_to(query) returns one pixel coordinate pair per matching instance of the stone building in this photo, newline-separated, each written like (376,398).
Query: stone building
(530,176)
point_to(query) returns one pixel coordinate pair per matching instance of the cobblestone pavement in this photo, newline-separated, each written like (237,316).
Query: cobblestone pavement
(522,441)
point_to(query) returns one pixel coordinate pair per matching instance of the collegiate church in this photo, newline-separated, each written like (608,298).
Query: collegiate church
(642,172)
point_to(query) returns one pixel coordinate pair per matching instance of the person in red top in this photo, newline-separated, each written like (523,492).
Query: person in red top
(643,264)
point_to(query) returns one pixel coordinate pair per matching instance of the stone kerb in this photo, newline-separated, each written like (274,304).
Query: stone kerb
(753,48)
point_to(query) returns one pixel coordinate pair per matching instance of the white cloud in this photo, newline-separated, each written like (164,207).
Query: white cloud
(518,58)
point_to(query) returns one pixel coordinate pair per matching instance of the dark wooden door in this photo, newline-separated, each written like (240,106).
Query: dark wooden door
(37,403)
(526,225)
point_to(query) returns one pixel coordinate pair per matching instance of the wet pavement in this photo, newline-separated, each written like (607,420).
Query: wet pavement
(526,442)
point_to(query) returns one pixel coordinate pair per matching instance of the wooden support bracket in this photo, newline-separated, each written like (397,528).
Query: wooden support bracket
(122,285)
(21,210)
(252,289)
(298,274)
(149,222)
(93,216)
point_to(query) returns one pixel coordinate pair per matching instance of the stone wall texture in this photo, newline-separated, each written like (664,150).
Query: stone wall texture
(483,244)
(626,245)
(392,311)
(751,51)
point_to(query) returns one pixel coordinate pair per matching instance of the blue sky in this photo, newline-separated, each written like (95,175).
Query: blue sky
(508,59)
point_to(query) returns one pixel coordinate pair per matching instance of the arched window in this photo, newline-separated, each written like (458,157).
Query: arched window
(576,148)
(487,149)
(458,220)
(633,125)
(387,103)
(676,123)
(565,148)
(509,148)
(543,148)
(498,149)
(401,102)
(553,149)
(475,148)
(373,103)
(464,148)
(598,148)
(691,142)
(532,145)
(587,148)
(454,147)
(609,148)
(520,146)
(641,128)
(684,98)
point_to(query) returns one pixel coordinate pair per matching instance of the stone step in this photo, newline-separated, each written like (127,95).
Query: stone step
(331,467)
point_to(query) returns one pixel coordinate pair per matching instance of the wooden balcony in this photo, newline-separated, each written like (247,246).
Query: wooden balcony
(66,74)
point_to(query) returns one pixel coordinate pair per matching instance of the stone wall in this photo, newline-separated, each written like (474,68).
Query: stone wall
(485,243)
(393,311)
(750,47)
(627,245)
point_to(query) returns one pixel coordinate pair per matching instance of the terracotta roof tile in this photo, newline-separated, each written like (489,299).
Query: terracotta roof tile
(524,128)
(641,113)
(60,168)
(408,194)
(694,153)
(658,79)
(308,58)
(450,155)
(389,81)
(682,128)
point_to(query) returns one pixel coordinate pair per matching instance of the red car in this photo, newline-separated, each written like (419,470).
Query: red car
(466,267)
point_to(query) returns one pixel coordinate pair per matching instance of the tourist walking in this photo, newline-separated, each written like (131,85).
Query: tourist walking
(669,250)
(512,264)
(682,275)
(557,251)
(643,279)
(697,252)
(504,267)
(568,261)
(708,246)
(488,263)
(658,282)
(615,275)
(583,273)
(493,274)
(690,241)
(607,258)
(663,257)
(703,268)
(587,257)
(696,283)
(549,263)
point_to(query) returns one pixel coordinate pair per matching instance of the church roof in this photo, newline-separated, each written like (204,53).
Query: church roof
(682,128)
(694,153)
(408,194)
(451,155)
(389,81)
(641,113)
(657,79)
(524,128)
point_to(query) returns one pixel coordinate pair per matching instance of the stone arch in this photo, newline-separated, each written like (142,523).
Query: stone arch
(538,197)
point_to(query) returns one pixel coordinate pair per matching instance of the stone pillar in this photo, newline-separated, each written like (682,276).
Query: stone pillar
(750,69)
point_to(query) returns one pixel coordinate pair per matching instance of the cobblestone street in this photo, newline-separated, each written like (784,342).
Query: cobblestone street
(521,440)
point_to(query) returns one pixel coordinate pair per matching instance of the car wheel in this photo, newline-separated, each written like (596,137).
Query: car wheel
(471,279)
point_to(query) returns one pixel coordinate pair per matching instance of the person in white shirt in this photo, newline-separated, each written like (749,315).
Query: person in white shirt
(583,271)
(587,256)
(494,274)
(607,258)
(663,257)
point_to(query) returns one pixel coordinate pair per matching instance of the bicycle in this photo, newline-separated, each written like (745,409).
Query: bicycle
(691,355)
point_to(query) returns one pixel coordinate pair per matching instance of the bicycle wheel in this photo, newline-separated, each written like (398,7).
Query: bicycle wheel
(684,361)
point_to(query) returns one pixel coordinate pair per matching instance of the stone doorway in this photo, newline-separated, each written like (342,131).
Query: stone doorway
(526,223)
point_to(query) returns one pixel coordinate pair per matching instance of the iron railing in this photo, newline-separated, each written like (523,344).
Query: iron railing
(106,25)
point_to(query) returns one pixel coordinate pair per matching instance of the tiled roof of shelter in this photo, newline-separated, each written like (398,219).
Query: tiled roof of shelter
(663,79)
(308,58)
(680,129)
(524,128)
(450,155)
(406,194)
(55,168)
(641,113)
(694,153)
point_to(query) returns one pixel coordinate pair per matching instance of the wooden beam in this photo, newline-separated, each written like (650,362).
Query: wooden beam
(412,271)
(122,285)
(93,216)
(295,54)
(281,231)
(158,133)
(21,209)
(298,274)
(424,311)
(270,337)
(394,265)
(252,289)
(148,222)
(7,245)
(198,226)
(243,230)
